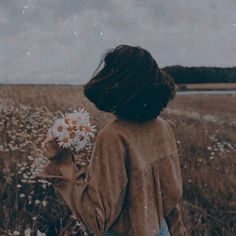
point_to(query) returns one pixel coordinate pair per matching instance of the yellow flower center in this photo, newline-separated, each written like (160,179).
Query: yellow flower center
(59,128)
(70,128)
(65,140)
(72,135)
(74,122)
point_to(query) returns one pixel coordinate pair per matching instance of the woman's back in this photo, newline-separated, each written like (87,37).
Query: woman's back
(154,182)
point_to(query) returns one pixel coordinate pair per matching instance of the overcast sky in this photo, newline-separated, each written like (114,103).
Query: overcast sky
(62,41)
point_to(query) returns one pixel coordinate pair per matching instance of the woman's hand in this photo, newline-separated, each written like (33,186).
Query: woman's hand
(60,158)
(50,146)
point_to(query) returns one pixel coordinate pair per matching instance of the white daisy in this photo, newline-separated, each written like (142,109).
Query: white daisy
(58,127)
(65,141)
(80,144)
(91,131)
(64,133)
(83,116)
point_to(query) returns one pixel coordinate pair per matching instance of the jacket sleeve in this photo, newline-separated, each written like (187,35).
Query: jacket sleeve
(171,187)
(97,200)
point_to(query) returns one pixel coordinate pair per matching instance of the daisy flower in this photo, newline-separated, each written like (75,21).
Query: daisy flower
(65,141)
(58,127)
(74,130)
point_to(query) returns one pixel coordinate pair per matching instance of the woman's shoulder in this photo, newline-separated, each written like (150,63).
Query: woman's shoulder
(117,127)
(110,130)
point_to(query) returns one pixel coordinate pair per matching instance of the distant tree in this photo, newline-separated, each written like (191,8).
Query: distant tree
(187,75)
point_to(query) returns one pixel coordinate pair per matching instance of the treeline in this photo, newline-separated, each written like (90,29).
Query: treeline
(188,75)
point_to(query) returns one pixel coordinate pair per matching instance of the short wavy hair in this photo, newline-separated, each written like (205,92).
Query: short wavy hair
(130,84)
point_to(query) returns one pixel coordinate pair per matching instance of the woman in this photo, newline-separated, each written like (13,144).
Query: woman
(133,183)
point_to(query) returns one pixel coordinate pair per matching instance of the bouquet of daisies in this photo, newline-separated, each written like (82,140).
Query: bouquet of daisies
(74,131)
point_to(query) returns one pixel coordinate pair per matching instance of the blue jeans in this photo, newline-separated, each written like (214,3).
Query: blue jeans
(163,231)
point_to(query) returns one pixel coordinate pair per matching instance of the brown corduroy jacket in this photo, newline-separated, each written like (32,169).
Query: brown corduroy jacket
(133,181)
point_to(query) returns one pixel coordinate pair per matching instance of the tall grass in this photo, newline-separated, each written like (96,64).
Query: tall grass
(207,156)
(207,148)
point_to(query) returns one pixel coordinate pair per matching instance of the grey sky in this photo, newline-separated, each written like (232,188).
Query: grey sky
(62,41)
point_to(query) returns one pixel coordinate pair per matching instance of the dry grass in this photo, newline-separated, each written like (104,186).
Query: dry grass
(212,104)
(207,156)
(206,145)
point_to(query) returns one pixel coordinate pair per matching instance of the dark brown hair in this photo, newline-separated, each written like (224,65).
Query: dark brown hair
(130,84)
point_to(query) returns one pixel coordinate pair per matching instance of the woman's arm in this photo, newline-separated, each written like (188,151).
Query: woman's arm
(171,185)
(98,200)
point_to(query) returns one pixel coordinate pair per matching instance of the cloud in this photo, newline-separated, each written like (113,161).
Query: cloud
(61,41)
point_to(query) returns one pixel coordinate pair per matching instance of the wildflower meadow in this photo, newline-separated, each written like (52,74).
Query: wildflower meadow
(205,130)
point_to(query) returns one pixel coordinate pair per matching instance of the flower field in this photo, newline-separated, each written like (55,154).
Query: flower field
(205,129)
